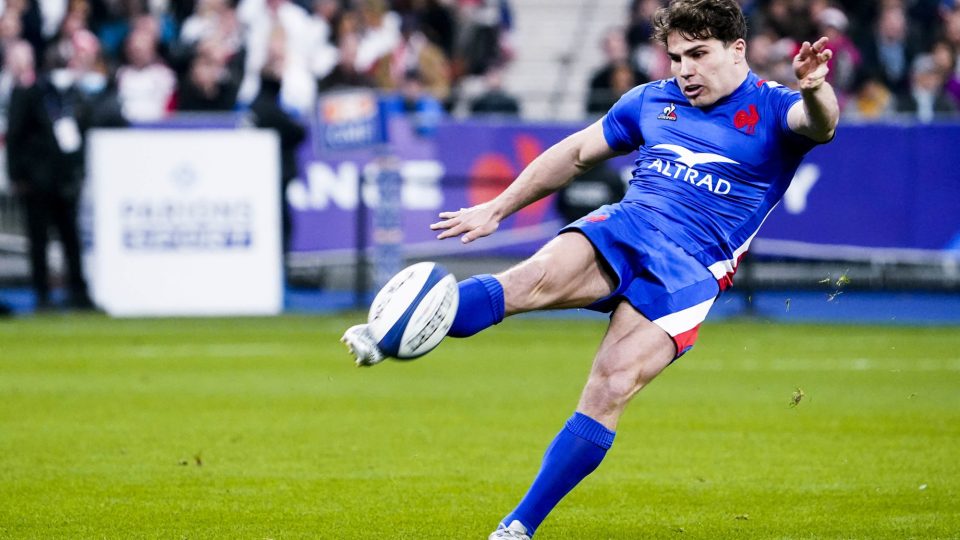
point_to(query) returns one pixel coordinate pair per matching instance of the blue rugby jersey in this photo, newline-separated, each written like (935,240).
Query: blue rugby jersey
(708,177)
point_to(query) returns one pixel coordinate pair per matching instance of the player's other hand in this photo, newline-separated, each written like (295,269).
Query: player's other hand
(467,223)
(810,64)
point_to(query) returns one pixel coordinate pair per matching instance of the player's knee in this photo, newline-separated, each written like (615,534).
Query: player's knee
(610,387)
(615,386)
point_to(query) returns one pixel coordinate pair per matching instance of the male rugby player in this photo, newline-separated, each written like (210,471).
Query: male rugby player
(717,148)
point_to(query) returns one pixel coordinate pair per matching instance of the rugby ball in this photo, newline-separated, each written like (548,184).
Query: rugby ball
(414,310)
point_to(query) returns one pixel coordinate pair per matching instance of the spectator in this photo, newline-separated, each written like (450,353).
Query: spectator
(647,56)
(846,57)
(206,21)
(786,18)
(212,32)
(109,20)
(413,101)
(760,53)
(889,53)
(17,71)
(264,20)
(45,165)
(182,9)
(145,84)
(771,57)
(29,25)
(345,73)
(207,87)
(951,32)
(324,55)
(268,113)
(483,40)
(946,60)
(872,100)
(74,21)
(616,77)
(379,34)
(10,28)
(415,53)
(114,21)
(640,30)
(101,104)
(926,99)
(495,100)
(438,22)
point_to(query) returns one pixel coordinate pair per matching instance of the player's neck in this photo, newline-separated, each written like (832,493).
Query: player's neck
(742,71)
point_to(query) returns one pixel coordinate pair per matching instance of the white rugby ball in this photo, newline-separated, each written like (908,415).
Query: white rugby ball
(414,310)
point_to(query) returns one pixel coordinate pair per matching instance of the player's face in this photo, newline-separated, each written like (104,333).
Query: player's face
(705,69)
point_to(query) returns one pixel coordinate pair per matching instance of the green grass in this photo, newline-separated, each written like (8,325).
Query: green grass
(262,428)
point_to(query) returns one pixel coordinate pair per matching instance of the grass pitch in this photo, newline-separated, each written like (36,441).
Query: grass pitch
(262,428)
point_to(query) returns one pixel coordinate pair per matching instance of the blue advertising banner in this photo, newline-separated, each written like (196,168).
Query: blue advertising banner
(348,119)
(876,190)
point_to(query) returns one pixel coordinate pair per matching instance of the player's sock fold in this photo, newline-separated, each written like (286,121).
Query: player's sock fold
(481,306)
(575,452)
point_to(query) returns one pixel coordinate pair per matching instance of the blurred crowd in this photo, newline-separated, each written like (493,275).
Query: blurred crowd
(149,58)
(890,57)
(155,57)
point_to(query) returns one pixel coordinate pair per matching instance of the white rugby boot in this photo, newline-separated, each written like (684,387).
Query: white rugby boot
(361,345)
(516,531)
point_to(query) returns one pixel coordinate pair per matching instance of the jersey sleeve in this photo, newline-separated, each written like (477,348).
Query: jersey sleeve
(782,99)
(621,125)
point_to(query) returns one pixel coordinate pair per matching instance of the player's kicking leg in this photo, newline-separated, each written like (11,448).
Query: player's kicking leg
(564,273)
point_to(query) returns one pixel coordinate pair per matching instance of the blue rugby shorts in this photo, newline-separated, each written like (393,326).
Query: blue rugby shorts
(659,279)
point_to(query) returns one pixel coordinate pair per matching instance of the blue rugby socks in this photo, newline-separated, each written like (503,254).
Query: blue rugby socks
(481,306)
(575,452)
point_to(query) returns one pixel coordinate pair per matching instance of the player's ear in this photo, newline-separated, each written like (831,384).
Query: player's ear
(739,48)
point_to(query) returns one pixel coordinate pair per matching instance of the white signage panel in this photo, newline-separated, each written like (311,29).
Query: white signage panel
(185,222)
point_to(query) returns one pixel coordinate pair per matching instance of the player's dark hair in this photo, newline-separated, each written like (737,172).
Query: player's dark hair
(701,19)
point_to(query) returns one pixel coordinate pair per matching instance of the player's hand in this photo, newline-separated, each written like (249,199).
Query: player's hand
(467,223)
(810,64)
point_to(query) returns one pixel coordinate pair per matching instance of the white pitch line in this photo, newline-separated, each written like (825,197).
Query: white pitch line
(914,365)
(224,350)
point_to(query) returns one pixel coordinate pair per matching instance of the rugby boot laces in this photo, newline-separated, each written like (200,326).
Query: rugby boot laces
(362,345)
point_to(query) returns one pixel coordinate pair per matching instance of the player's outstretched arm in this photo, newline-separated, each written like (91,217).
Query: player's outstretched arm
(549,172)
(817,114)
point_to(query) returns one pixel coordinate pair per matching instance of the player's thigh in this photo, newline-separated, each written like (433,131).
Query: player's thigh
(565,273)
(632,353)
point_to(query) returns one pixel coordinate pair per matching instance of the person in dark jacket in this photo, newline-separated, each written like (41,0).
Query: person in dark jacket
(206,87)
(45,166)
(269,114)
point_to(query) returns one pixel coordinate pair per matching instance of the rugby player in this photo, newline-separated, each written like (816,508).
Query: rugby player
(716,149)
